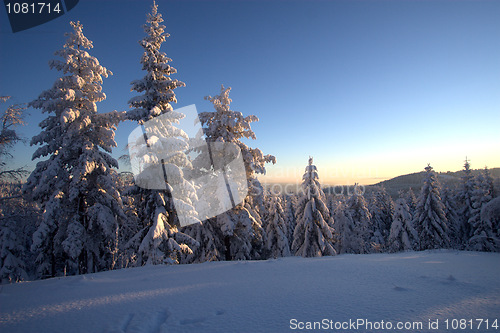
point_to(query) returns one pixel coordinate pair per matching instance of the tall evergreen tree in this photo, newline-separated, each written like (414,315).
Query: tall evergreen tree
(241,227)
(430,217)
(464,197)
(276,244)
(12,266)
(15,212)
(358,236)
(403,236)
(314,233)
(75,185)
(486,235)
(18,221)
(454,221)
(480,196)
(159,239)
(482,228)
(343,224)
(290,218)
(331,203)
(381,208)
(488,183)
(411,201)
(157,87)
(209,237)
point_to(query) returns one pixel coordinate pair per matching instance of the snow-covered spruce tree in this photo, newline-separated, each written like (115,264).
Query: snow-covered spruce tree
(157,86)
(74,186)
(159,239)
(403,236)
(209,239)
(16,220)
(454,221)
(357,238)
(381,208)
(488,183)
(343,225)
(331,202)
(130,226)
(12,265)
(483,235)
(411,201)
(207,233)
(277,244)
(482,193)
(241,227)
(479,197)
(290,217)
(464,198)
(430,217)
(314,234)
(492,192)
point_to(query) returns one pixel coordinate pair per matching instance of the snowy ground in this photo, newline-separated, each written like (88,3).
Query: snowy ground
(264,296)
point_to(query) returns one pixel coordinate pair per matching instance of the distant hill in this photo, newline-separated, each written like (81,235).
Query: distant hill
(414,181)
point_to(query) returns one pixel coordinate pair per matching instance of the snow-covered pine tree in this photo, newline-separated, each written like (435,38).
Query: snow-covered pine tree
(430,217)
(276,243)
(483,234)
(126,255)
(489,183)
(290,218)
(343,227)
(331,202)
(82,207)
(226,125)
(480,196)
(159,239)
(485,237)
(381,208)
(492,191)
(314,233)
(357,238)
(454,221)
(267,195)
(15,217)
(157,86)
(241,227)
(411,201)
(12,266)
(18,221)
(207,233)
(209,239)
(403,236)
(464,198)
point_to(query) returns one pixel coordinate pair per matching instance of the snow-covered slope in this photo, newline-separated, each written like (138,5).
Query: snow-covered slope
(264,296)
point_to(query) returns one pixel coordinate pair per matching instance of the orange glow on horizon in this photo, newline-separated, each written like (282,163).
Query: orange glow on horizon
(370,170)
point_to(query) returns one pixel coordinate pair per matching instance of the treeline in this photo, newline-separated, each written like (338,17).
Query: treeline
(75,214)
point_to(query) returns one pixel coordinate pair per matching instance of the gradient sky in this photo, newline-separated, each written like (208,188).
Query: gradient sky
(370,89)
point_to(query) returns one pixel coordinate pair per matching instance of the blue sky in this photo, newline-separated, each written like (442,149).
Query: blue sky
(370,89)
